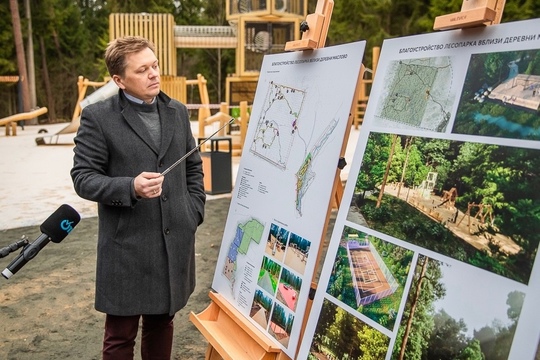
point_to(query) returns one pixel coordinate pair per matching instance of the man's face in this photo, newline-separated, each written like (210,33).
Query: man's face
(141,77)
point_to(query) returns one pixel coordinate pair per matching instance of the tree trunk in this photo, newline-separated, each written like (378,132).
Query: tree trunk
(408,144)
(21,60)
(389,162)
(414,303)
(30,57)
(47,82)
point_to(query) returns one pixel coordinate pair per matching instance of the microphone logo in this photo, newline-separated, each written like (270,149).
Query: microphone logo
(66,225)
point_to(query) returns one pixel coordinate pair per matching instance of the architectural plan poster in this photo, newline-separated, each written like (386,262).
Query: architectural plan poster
(284,186)
(434,250)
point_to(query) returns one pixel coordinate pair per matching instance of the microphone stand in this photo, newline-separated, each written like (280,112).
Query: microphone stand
(194,149)
(5,251)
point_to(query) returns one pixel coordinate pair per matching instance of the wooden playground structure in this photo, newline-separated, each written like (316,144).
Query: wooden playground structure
(484,211)
(257,28)
(10,122)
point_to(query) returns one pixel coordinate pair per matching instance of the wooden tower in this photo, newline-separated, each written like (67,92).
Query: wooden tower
(263,27)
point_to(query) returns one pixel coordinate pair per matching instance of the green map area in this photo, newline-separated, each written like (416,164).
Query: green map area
(246,234)
(251,231)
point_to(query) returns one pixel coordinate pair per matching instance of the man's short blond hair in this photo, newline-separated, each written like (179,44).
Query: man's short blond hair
(118,49)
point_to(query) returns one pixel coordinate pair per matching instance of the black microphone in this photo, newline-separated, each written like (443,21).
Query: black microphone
(57,226)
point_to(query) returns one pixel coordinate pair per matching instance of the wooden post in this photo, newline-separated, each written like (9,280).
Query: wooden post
(244,121)
(82,87)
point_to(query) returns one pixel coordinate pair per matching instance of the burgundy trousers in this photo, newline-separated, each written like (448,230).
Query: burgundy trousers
(121,331)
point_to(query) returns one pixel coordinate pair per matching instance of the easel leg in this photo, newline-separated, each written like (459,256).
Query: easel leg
(212,354)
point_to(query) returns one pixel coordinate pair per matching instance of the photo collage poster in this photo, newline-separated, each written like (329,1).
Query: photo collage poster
(434,250)
(284,186)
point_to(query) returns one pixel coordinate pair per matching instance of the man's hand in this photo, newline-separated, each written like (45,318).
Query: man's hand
(148,184)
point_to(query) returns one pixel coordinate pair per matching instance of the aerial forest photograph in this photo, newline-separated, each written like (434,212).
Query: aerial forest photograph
(369,275)
(448,316)
(473,202)
(501,96)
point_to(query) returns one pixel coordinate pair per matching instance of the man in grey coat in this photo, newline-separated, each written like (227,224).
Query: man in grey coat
(147,222)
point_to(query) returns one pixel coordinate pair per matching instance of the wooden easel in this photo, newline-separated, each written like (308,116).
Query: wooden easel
(314,29)
(314,37)
(229,334)
(473,13)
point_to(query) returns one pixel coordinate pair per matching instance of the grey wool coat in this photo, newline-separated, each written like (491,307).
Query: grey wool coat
(145,250)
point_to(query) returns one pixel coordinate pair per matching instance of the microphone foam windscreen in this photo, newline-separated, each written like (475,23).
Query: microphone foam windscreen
(60,223)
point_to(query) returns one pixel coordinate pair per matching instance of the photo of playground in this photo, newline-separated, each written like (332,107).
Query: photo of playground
(501,96)
(276,243)
(288,248)
(288,289)
(297,253)
(369,275)
(473,202)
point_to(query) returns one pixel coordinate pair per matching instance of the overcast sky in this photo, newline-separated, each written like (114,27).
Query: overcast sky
(475,295)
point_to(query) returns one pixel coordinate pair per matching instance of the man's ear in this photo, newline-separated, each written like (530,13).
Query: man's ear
(118,81)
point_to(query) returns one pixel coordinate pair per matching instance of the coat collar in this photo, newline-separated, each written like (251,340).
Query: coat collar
(166,114)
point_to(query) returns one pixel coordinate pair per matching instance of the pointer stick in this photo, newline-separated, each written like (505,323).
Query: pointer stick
(194,149)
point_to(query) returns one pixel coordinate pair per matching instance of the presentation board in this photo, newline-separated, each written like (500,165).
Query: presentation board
(284,185)
(433,253)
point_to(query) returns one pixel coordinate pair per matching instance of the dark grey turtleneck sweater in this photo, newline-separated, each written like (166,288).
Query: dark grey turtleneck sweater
(149,114)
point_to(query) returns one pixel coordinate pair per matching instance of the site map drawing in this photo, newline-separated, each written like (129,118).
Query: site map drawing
(277,129)
(278,124)
(246,234)
(418,93)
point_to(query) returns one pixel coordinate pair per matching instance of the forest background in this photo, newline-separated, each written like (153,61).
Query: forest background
(69,38)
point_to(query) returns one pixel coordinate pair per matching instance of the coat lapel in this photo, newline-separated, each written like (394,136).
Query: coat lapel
(166,116)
